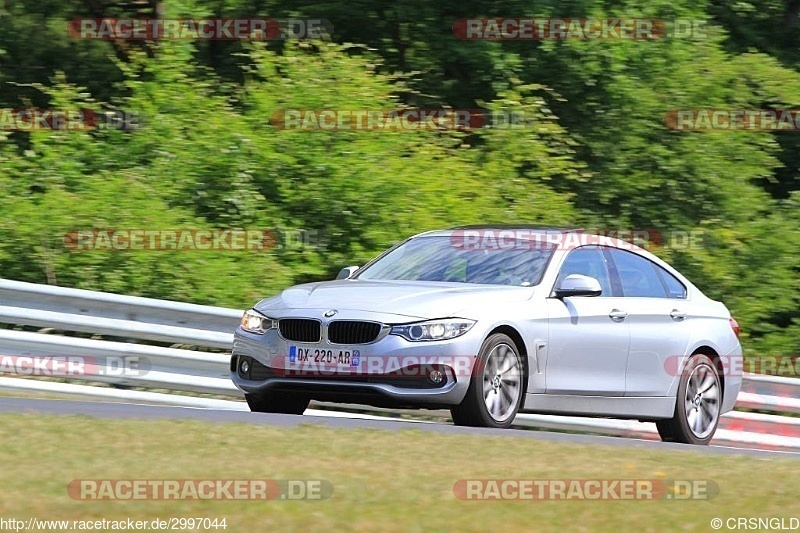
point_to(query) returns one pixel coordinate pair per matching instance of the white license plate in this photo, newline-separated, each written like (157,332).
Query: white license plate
(302,358)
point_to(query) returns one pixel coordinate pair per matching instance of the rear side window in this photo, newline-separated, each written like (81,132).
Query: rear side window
(638,276)
(675,288)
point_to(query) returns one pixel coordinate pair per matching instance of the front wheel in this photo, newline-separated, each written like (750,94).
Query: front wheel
(277,402)
(697,406)
(496,387)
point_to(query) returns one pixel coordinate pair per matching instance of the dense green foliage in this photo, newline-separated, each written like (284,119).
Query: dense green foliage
(595,152)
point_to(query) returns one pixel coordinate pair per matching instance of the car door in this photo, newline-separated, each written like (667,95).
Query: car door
(587,335)
(658,316)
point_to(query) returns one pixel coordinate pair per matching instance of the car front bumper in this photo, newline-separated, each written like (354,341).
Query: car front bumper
(392,370)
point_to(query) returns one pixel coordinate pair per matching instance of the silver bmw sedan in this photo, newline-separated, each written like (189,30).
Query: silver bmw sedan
(491,321)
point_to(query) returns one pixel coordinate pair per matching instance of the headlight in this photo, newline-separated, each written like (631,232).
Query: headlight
(433,330)
(255,322)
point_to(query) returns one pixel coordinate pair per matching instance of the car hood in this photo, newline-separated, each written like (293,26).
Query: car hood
(392,300)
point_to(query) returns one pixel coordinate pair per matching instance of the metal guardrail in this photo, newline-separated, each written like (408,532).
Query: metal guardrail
(178,368)
(116,306)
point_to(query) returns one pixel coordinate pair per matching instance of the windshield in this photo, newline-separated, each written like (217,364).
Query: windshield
(439,258)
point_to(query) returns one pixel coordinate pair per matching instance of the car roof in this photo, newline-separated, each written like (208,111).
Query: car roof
(501,227)
(497,228)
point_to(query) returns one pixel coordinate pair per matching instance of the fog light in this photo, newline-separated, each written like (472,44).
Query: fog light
(436,376)
(245,366)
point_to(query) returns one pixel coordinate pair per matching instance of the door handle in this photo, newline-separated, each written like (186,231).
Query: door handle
(677,315)
(617,316)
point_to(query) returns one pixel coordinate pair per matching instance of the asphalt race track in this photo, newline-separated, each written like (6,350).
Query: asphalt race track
(339,420)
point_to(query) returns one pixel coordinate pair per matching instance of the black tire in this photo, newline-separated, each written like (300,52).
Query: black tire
(473,410)
(277,402)
(679,428)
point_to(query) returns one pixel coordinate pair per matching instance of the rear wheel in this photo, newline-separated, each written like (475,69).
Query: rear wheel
(697,405)
(277,402)
(496,388)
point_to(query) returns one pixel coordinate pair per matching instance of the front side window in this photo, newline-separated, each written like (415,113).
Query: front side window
(587,261)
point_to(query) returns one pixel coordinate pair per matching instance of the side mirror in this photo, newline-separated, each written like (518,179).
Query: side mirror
(578,285)
(346,272)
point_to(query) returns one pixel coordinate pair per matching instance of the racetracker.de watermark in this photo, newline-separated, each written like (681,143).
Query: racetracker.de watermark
(37,119)
(400,119)
(346,364)
(179,240)
(587,29)
(74,365)
(733,119)
(211,29)
(199,489)
(726,365)
(499,240)
(585,489)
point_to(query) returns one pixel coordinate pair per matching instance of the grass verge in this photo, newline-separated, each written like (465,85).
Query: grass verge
(387,480)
